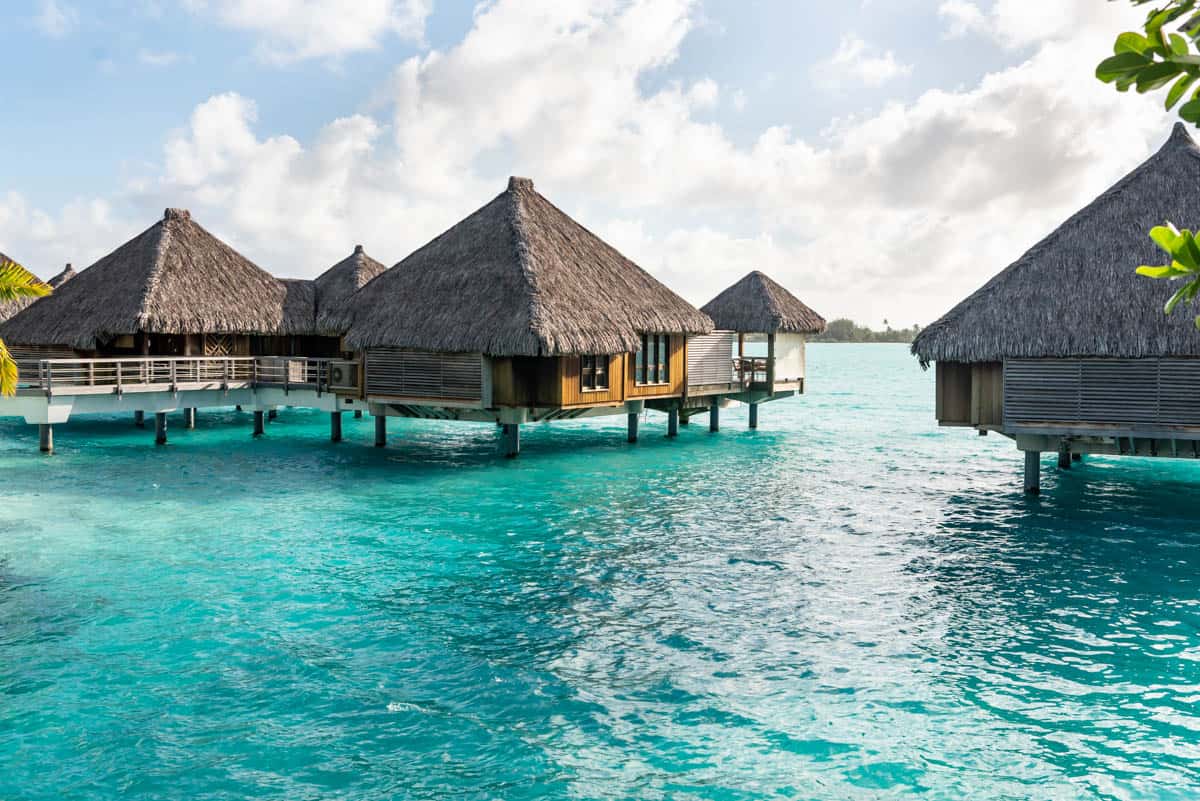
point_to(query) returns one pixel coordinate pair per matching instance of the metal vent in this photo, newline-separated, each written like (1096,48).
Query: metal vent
(424,374)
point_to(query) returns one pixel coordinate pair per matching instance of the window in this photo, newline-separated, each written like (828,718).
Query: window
(593,372)
(652,363)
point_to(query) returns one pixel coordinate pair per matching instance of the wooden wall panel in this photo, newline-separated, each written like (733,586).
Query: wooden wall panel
(987,394)
(953,393)
(573,393)
(677,362)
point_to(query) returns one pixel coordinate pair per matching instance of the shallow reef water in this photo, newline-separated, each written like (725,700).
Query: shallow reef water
(849,603)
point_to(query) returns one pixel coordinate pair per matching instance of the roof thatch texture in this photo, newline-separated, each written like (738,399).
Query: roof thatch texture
(756,304)
(9,308)
(1075,293)
(336,285)
(66,275)
(175,277)
(516,278)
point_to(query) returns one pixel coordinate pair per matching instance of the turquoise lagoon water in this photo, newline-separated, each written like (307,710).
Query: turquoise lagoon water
(846,604)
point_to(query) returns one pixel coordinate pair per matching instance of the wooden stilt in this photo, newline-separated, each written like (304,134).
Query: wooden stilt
(380,431)
(1064,456)
(510,439)
(189,418)
(258,422)
(754,415)
(139,418)
(685,420)
(237,408)
(335,426)
(633,426)
(673,423)
(160,428)
(1076,457)
(272,414)
(45,438)
(1033,472)
(358,414)
(714,416)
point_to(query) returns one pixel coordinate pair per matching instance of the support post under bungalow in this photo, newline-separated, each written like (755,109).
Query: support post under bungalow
(335,426)
(685,420)
(510,439)
(45,438)
(1064,456)
(714,415)
(272,414)
(633,426)
(139,418)
(1033,472)
(380,430)
(754,415)
(358,414)
(258,422)
(189,417)
(673,423)
(160,428)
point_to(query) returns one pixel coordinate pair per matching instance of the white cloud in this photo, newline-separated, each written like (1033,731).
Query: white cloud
(894,214)
(159,58)
(963,17)
(292,30)
(857,63)
(56,19)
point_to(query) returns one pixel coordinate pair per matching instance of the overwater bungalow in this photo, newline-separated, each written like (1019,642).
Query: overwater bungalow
(755,314)
(1068,350)
(518,314)
(173,290)
(63,277)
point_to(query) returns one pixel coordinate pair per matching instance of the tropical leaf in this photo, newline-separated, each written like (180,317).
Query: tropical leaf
(8,372)
(17,282)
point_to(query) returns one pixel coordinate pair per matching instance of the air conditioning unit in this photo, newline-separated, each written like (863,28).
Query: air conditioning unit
(343,375)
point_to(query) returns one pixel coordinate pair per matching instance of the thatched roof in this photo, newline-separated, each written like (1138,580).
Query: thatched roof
(66,275)
(1075,293)
(756,304)
(175,277)
(335,286)
(517,277)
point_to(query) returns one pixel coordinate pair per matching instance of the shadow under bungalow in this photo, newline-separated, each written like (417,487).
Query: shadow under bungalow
(517,314)
(1068,350)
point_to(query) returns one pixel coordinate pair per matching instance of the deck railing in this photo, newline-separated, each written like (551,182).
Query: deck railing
(750,370)
(151,374)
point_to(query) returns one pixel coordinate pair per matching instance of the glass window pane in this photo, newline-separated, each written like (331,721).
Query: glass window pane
(665,373)
(639,369)
(601,372)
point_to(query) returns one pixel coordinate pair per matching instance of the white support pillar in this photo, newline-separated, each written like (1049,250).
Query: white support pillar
(633,426)
(1033,472)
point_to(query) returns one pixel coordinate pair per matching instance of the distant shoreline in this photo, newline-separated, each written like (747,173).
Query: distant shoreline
(847,332)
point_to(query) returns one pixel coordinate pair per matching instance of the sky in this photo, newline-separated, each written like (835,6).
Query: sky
(882,159)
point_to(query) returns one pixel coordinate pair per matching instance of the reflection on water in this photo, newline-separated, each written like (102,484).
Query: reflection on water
(846,604)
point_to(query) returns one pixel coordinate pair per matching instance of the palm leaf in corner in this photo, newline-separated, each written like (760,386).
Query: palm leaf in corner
(15,282)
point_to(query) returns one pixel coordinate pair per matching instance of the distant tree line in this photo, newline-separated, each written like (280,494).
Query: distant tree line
(844,330)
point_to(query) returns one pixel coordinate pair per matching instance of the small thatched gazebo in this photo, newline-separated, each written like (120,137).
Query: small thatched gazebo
(523,307)
(175,289)
(758,310)
(336,285)
(1068,349)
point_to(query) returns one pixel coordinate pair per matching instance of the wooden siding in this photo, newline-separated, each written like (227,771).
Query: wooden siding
(573,393)
(953,404)
(526,381)
(1128,392)
(710,358)
(424,374)
(987,394)
(675,371)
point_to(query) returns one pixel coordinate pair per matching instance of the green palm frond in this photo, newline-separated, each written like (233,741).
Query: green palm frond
(17,282)
(8,372)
